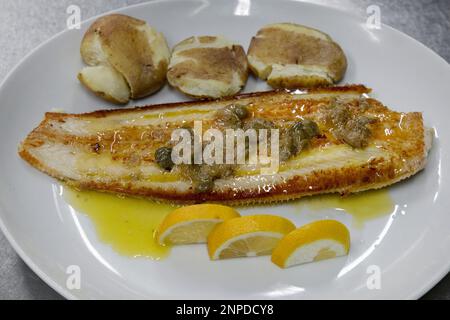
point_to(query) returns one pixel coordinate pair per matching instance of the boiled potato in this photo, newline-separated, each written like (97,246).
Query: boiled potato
(105,82)
(208,67)
(293,56)
(130,57)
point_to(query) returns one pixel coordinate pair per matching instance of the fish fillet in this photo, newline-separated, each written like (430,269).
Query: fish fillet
(114,150)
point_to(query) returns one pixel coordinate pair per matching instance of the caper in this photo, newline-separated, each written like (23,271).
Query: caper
(163,157)
(338,115)
(227,118)
(301,133)
(204,186)
(241,111)
(230,117)
(306,129)
(285,145)
(355,132)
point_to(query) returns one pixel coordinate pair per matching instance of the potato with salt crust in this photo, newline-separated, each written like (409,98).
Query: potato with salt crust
(126,58)
(208,67)
(293,56)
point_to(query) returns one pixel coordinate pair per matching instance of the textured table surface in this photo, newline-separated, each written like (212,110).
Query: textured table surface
(24,24)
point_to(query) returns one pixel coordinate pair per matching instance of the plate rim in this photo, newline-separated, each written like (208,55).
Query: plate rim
(64,292)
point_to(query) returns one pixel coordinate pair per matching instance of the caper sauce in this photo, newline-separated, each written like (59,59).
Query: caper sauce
(292,141)
(297,138)
(347,127)
(231,117)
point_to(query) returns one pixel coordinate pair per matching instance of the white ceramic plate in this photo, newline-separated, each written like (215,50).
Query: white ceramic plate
(410,246)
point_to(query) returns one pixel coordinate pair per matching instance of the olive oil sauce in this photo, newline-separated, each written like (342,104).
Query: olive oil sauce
(363,207)
(128,224)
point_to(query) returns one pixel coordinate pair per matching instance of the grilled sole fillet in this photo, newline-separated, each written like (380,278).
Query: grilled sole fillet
(113,151)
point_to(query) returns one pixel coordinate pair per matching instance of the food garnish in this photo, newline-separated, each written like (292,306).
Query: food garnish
(247,236)
(319,240)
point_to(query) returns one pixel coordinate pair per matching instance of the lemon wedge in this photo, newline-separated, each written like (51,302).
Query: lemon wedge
(316,241)
(247,236)
(192,224)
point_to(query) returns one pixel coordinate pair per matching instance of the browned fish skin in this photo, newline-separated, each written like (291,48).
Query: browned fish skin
(399,136)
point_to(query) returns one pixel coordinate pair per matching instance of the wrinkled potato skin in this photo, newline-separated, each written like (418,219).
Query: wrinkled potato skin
(120,41)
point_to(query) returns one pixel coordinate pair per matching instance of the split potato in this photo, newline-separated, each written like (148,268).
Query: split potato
(208,67)
(126,58)
(293,56)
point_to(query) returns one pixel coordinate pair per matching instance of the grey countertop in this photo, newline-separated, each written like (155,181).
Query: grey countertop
(24,24)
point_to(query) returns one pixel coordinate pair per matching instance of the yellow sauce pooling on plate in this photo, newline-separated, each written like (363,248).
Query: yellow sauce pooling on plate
(362,206)
(127,224)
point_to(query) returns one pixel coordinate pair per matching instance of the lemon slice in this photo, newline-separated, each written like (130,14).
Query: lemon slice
(247,236)
(313,242)
(192,224)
